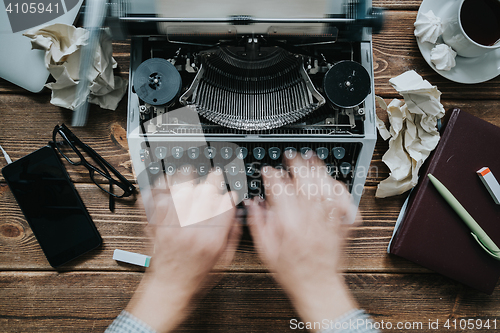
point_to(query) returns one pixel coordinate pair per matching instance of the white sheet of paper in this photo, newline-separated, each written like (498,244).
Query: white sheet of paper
(62,44)
(413,131)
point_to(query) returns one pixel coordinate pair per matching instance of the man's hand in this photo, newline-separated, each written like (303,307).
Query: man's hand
(299,235)
(184,256)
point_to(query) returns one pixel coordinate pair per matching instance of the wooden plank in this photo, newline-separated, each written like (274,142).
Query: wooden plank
(399,5)
(395,51)
(28,122)
(88,302)
(366,251)
(19,250)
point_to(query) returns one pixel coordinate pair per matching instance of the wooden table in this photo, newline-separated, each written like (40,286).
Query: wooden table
(88,294)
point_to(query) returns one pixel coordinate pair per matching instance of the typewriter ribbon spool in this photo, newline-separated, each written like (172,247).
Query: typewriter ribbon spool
(347,84)
(157,81)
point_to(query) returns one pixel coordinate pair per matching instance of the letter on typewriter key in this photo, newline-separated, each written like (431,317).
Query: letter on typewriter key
(254,184)
(331,169)
(186,169)
(232,169)
(161,152)
(218,169)
(290,152)
(281,171)
(250,169)
(237,185)
(264,170)
(202,169)
(193,153)
(177,152)
(222,185)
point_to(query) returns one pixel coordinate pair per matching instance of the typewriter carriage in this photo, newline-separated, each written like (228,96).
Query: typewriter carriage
(234,88)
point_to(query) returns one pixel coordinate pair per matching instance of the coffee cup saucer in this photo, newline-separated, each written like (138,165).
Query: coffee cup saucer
(467,70)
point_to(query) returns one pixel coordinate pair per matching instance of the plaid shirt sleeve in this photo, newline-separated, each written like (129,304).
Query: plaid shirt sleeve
(354,321)
(127,323)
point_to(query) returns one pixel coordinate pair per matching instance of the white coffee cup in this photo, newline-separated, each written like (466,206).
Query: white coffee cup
(455,36)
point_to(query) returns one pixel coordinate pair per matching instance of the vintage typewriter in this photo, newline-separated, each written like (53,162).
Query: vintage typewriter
(248,88)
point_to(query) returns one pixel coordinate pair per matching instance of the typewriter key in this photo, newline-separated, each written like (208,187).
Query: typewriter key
(331,170)
(232,169)
(254,184)
(290,152)
(237,185)
(306,153)
(154,167)
(193,153)
(241,153)
(250,169)
(202,169)
(210,152)
(186,169)
(322,153)
(226,152)
(259,153)
(170,169)
(274,153)
(338,152)
(345,168)
(161,152)
(218,170)
(177,152)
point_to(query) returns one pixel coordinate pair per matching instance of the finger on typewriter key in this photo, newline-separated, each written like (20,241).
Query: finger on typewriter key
(180,177)
(195,203)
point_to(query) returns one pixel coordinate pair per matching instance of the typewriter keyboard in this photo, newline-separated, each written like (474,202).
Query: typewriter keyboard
(241,164)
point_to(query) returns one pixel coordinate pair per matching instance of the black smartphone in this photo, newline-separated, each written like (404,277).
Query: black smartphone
(52,206)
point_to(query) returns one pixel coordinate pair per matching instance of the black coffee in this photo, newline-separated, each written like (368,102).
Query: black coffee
(481,20)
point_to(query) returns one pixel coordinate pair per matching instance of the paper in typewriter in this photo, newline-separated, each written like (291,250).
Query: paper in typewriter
(258,9)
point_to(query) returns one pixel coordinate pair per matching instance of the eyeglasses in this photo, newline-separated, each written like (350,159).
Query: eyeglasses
(73,150)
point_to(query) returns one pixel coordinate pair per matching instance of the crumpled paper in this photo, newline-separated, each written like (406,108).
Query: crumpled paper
(62,45)
(413,131)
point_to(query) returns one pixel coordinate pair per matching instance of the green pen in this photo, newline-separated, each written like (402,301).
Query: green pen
(477,232)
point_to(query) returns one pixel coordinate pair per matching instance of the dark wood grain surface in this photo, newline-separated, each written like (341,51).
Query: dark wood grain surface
(87,294)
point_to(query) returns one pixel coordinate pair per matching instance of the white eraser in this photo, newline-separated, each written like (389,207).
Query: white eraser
(490,182)
(132,258)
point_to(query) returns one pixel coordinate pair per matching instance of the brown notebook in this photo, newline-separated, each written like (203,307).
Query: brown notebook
(431,233)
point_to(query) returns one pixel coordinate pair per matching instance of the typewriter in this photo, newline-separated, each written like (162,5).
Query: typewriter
(228,87)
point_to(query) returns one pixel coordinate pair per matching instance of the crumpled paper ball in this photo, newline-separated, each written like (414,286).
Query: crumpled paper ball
(413,133)
(62,44)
